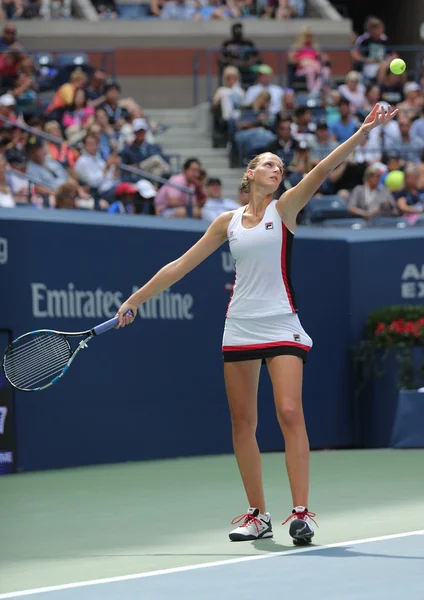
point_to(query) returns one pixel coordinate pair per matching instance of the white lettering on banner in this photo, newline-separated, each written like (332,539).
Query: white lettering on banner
(227,262)
(3,414)
(3,251)
(98,304)
(6,458)
(412,289)
(167,305)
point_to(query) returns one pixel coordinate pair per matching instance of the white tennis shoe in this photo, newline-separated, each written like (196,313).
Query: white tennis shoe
(301,528)
(255,526)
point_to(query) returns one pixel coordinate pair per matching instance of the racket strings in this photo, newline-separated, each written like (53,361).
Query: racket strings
(36,359)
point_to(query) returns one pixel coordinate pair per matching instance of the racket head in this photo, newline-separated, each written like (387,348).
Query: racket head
(37,359)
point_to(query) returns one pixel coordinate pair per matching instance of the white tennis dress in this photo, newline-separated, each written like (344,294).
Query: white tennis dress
(262,316)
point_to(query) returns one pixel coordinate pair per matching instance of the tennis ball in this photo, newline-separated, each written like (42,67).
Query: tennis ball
(395,180)
(397,66)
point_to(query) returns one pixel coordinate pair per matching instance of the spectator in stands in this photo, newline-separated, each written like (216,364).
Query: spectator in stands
(308,61)
(62,153)
(255,130)
(15,149)
(66,196)
(7,107)
(9,36)
(288,105)
(102,177)
(303,128)
(107,137)
(369,150)
(216,204)
(346,125)
(393,163)
(369,200)
(214,10)
(171,202)
(370,49)
(410,200)
(10,62)
(178,10)
(46,172)
(143,155)
(125,194)
(284,145)
(391,85)
(409,147)
(106,9)
(64,96)
(322,145)
(264,85)
(7,199)
(353,90)
(372,96)
(96,89)
(414,100)
(230,96)
(117,114)
(25,93)
(79,113)
(300,165)
(241,53)
(55,9)
(417,127)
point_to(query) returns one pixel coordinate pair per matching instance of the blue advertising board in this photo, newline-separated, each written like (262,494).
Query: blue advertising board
(155,389)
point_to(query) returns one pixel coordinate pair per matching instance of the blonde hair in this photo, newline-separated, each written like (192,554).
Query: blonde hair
(245,181)
(228,71)
(262,97)
(301,39)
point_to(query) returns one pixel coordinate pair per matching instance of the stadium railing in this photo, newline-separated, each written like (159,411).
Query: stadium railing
(206,61)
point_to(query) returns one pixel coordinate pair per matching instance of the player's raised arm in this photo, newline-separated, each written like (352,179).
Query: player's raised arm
(292,201)
(213,238)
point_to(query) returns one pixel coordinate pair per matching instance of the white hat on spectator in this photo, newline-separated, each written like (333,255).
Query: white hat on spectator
(411,86)
(7,100)
(139,124)
(145,189)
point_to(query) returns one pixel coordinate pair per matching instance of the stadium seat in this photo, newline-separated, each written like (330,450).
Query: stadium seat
(399,222)
(348,223)
(325,207)
(72,59)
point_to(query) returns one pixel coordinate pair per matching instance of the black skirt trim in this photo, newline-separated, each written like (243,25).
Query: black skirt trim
(264,353)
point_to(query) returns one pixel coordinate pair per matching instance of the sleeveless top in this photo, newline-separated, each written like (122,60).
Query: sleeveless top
(262,257)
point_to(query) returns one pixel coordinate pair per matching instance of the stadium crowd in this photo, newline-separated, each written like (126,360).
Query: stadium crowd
(96,141)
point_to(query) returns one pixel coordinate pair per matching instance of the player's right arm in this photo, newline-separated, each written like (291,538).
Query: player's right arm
(213,238)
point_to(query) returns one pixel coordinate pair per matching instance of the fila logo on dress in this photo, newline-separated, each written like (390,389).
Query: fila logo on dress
(269,225)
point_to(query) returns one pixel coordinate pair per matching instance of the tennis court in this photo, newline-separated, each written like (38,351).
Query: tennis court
(158,530)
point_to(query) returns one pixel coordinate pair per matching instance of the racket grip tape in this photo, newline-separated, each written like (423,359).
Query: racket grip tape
(107,325)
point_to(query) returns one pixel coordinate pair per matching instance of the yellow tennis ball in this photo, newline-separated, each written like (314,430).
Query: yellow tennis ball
(395,180)
(397,66)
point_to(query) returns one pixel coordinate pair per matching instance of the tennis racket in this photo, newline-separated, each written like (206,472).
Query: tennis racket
(36,360)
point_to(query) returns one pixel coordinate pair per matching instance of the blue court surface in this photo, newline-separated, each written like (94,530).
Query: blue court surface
(383,568)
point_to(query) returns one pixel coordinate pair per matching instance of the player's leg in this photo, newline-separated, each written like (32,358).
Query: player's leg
(241,381)
(286,375)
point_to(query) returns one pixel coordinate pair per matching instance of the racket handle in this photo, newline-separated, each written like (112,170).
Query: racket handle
(103,327)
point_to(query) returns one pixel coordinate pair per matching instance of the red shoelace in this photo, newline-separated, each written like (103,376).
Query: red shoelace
(248,518)
(301,516)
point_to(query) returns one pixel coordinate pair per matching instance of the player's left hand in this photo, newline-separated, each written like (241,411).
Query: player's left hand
(378,116)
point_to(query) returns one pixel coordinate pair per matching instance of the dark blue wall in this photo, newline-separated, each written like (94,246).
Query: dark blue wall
(155,389)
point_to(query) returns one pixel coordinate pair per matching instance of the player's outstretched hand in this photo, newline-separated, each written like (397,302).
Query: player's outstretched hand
(123,316)
(378,116)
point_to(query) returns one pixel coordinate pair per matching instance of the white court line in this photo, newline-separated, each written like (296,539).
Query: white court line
(220,563)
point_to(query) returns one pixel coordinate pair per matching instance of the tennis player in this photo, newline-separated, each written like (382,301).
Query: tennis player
(262,324)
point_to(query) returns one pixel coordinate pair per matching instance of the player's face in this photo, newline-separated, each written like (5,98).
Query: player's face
(269,172)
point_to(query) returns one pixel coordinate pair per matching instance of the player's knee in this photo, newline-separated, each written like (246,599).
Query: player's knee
(242,424)
(290,415)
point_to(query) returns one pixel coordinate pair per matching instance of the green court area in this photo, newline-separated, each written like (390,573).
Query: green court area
(62,527)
